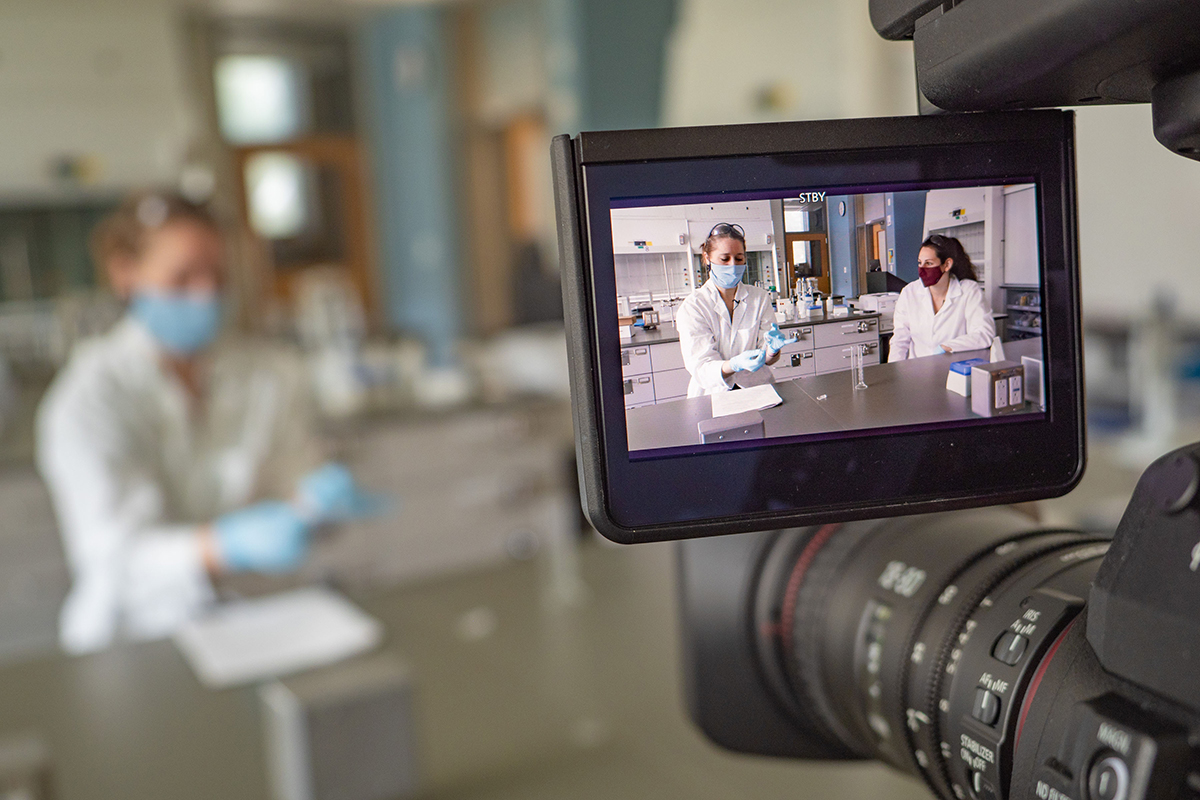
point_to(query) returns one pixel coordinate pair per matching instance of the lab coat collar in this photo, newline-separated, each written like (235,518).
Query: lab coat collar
(710,286)
(953,291)
(142,348)
(134,336)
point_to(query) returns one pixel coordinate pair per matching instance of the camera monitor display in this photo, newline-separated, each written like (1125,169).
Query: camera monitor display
(806,314)
(815,321)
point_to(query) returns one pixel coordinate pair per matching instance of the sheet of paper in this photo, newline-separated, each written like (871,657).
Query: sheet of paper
(755,398)
(254,640)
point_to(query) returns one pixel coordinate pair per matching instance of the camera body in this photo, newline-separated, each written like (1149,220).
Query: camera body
(979,650)
(990,656)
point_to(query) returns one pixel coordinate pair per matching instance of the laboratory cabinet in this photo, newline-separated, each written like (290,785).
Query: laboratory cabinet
(835,359)
(826,346)
(472,488)
(33,572)
(653,373)
(797,359)
(1024,307)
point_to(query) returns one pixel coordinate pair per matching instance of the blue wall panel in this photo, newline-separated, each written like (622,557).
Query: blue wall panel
(409,87)
(841,247)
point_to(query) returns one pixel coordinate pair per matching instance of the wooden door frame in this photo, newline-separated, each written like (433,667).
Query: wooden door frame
(823,280)
(343,154)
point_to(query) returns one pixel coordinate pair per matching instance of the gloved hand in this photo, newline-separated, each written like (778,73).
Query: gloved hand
(776,341)
(748,361)
(330,494)
(265,537)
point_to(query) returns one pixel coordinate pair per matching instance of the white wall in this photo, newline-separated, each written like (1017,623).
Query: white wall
(103,81)
(1138,211)
(759,60)
(940,202)
(1021,256)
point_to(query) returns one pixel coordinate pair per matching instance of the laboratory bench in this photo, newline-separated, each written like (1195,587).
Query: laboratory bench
(556,698)
(653,372)
(909,392)
(469,486)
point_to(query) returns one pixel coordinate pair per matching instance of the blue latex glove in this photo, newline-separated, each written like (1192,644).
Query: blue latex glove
(749,361)
(265,537)
(330,494)
(776,341)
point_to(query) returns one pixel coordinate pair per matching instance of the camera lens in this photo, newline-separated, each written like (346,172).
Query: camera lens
(917,640)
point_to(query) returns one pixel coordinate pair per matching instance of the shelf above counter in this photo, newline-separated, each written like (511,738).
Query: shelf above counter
(666,331)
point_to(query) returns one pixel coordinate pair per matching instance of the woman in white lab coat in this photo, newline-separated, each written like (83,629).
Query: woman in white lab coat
(171,459)
(944,310)
(726,326)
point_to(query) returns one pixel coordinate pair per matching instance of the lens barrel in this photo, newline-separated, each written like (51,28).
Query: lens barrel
(916,640)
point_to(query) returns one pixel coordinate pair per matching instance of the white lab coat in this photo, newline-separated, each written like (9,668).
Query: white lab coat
(135,469)
(708,337)
(964,321)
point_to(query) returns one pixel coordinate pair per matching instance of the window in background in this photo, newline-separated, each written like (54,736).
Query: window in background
(296,202)
(279,195)
(284,104)
(795,219)
(261,99)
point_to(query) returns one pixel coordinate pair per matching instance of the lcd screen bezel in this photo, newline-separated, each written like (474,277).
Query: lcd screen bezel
(845,478)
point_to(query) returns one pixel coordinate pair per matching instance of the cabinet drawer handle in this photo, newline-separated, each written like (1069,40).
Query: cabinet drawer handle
(641,351)
(643,380)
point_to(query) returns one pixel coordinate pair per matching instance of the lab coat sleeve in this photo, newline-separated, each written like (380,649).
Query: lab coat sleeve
(134,572)
(703,360)
(977,318)
(285,410)
(902,320)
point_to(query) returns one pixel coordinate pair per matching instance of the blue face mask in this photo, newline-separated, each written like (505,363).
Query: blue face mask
(183,323)
(727,276)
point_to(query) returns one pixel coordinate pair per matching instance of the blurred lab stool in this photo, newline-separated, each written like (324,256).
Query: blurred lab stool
(343,732)
(24,769)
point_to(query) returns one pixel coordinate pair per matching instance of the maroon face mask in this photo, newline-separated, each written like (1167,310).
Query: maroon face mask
(930,275)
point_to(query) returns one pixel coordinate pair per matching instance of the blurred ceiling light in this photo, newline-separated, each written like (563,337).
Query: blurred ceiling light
(277,196)
(260,99)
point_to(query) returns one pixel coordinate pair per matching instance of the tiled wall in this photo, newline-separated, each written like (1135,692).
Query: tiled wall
(662,274)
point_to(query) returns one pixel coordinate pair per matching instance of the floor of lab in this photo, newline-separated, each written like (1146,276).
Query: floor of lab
(554,677)
(600,682)
(608,671)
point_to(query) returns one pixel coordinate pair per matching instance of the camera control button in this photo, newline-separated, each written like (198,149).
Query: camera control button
(1010,647)
(987,707)
(980,788)
(1109,779)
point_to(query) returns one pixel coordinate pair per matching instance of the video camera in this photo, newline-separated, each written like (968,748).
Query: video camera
(987,654)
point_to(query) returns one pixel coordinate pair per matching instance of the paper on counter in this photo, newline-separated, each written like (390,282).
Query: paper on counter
(253,640)
(756,398)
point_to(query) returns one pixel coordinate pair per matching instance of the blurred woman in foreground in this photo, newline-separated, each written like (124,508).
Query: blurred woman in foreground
(170,458)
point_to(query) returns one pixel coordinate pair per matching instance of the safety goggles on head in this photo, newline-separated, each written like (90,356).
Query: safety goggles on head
(722,229)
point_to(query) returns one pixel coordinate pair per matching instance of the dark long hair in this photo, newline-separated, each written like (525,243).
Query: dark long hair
(949,247)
